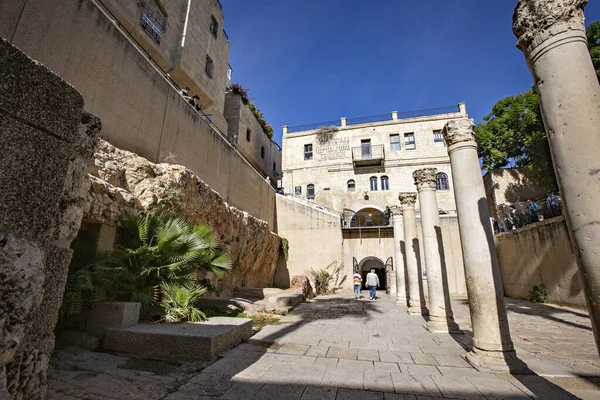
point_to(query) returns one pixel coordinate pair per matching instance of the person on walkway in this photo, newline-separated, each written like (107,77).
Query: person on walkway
(185,93)
(554,204)
(357,282)
(373,284)
(387,214)
(533,209)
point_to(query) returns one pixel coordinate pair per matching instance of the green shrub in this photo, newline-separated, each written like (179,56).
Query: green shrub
(179,302)
(538,294)
(324,278)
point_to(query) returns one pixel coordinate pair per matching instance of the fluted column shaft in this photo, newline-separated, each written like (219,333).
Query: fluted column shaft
(553,38)
(492,344)
(440,310)
(399,268)
(416,300)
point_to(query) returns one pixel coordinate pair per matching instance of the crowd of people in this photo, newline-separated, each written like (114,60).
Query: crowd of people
(514,219)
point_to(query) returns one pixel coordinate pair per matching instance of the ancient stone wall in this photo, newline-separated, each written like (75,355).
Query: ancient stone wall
(46,144)
(124,182)
(540,253)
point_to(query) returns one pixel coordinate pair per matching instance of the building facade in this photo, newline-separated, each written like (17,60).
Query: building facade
(247,135)
(355,168)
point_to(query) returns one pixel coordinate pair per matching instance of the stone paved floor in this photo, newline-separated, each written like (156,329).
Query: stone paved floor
(337,348)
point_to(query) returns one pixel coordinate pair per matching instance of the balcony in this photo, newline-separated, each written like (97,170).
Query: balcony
(368,155)
(372,219)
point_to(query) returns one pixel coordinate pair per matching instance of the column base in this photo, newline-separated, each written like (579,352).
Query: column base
(418,310)
(496,361)
(443,326)
(401,300)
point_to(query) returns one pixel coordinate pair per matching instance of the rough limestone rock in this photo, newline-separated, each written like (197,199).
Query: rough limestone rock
(46,144)
(123,182)
(301,284)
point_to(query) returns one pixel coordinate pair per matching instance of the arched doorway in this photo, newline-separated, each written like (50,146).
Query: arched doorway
(375,263)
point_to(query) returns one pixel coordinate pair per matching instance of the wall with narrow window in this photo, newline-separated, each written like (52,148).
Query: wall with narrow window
(140,111)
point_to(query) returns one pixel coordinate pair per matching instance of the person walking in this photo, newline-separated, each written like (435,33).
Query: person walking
(373,284)
(554,204)
(357,282)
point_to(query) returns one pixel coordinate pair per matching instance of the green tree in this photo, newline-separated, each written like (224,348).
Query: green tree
(513,135)
(593,37)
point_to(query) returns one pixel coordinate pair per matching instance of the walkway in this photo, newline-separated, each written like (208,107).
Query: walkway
(337,348)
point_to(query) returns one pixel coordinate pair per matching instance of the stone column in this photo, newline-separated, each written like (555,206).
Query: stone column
(492,346)
(552,36)
(399,267)
(440,311)
(416,300)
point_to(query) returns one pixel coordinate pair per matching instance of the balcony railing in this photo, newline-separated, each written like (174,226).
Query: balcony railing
(365,220)
(368,155)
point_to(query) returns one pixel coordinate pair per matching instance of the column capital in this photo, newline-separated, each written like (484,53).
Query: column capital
(396,211)
(535,21)
(457,131)
(425,178)
(407,199)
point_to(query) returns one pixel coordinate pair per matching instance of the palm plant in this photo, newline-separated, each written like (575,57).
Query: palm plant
(178,302)
(156,248)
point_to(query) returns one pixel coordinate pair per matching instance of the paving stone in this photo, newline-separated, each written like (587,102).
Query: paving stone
(451,360)
(326,362)
(351,394)
(372,355)
(396,356)
(386,367)
(319,393)
(459,388)
(399,396)
(297,349)
(242,391)
(338,352)
(355,365)
(317,351)
(406,384)
(307,375)
(493,387)
(422,358)
(419,370)
(280,392)
(379,381)
(278,372)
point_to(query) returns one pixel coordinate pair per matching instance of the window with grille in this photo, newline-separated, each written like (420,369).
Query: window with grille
(298,190)
(438,138)
(385,183)
(409,141)
(351,185)
(310,191)
(373,183)
(308,152)
(441,181)
(395,142)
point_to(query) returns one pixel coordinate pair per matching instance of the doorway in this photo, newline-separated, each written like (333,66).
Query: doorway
(374,263)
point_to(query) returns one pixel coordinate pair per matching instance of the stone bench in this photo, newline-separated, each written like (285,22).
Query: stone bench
(256,293)
(185,341)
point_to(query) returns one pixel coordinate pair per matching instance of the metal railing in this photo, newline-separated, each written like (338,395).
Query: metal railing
(365,220)
(310,127)
(363,153)
(220,5)
(225,35)
(377,118)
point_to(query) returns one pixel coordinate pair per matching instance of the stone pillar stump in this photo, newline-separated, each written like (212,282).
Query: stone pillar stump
(399,267)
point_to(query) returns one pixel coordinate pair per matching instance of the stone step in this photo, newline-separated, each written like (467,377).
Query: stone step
(185,341)
(256,293)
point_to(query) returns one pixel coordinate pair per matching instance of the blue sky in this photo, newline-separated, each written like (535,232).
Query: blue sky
(307,61)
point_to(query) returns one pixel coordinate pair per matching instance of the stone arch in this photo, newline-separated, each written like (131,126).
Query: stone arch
(372,262)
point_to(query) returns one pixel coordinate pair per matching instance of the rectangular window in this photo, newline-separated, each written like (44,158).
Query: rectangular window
(308,152)
(409,141)
(310,191)
(395,142)
(274,167)
(438,138)
(248,134)
(209,67)
(298,190)
(262,152)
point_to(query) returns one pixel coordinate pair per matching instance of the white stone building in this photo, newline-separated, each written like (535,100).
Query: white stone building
(359,171)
